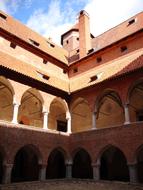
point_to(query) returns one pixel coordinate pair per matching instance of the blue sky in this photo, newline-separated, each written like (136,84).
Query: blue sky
(51,18)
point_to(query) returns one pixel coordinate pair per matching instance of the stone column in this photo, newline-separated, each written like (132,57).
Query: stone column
(42,172)
(133,173)
(68,117)
(45,120)
(127,116)
(94,120)
(69,170)
(96,172)
(15,113)
(7,173)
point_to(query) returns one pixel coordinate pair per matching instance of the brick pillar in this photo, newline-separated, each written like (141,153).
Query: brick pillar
(133,172)
(7,173)
(96,171)
(42,172)
(15,113)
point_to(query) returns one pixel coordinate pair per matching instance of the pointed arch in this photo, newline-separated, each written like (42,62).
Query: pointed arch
(81,115)
(109,109)
(57,115)
(31,115)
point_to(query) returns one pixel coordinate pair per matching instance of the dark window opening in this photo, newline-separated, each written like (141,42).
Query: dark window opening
(77,39)
(12,45)
(131,22)
(43,75)
(62,126)
(45,61)
(123,48)
(90,51)
(77,51)
(99,59)
(34,42)
(3,16)
(93,78)
(64,71)
(75,70)
(139,116)
(50,44)
(67,41)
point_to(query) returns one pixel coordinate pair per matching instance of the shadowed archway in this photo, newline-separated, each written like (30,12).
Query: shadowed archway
(113,165)
(82,165)
(26,166)
(56,168)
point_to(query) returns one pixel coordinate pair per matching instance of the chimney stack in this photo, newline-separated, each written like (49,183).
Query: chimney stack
(84,34)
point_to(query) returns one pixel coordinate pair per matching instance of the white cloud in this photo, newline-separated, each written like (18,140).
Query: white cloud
(53,22)
(105,14)
(12,6)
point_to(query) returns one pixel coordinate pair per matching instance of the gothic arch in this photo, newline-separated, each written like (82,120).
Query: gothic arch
(81,115)
(30,110)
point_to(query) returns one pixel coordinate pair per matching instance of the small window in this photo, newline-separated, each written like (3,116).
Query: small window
(50,44)
(45,61)
(75,70)
(77,39)
(43,76)
(99,59)
(131,22)
(12,45)
(93,78)
(123,48)
(77,51)
(34,42)
(3,16)
(90,51)
(61,126)
(67,41)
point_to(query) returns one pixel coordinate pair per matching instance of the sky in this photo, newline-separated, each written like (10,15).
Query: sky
(51,18)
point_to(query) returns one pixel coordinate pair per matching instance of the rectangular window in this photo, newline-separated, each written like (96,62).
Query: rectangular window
(61,126)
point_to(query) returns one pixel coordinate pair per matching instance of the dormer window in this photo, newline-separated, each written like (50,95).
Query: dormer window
(3,16)
(50,44)
(93,78)
(43,76)
(12,45)
(33,42)
(45,61)
(131,22)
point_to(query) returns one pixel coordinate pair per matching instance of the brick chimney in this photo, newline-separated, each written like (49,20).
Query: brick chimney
(84,34)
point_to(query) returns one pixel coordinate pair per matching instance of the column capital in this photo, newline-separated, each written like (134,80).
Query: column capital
(68,115)
(68,162)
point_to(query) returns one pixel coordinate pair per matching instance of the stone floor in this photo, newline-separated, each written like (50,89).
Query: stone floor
(72,185)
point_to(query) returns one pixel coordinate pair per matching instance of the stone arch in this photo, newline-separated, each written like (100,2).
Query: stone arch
(26,164)
(139,159)
(30,110)
(113,164)
(56,167)
(109,109)
(135,101)
(6,99)
(82,167)
(57,115)
(81,115)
